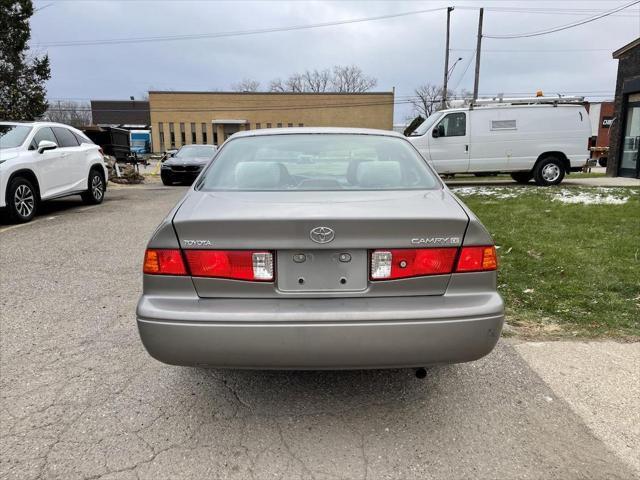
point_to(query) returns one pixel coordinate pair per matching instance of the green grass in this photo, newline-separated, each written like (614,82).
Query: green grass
(566,268)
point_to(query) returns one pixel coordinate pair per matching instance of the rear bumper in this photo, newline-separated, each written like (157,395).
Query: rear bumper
(348,333)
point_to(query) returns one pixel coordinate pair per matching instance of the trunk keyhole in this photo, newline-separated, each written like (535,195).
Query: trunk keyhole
(343,280)
(301,281)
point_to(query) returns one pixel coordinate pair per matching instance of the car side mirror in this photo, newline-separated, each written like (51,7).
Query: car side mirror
(435,133)
(45,145)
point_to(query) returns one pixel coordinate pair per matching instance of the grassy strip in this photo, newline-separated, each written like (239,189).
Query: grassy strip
(566,267)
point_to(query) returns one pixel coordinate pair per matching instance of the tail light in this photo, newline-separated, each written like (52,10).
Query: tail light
(163,262)
(404,263)
(413,262)
(477,259)
(234,264)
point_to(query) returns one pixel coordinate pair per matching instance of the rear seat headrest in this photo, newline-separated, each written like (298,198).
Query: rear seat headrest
(258,175)
(379,174)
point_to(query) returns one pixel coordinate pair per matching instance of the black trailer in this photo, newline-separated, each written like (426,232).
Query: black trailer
(114,141)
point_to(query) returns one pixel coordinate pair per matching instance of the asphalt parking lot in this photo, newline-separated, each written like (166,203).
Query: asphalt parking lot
(80,398)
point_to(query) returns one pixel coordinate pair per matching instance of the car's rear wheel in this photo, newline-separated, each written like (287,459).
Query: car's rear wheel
(521,177)
(22,200)
(548,171)
(95,194)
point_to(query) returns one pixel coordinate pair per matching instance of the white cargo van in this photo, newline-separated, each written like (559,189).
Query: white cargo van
(537,138)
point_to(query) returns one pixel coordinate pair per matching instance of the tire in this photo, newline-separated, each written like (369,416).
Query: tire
(548,171)
(166,180)
(521,177)
(602,161)
(22,200)
(95,194)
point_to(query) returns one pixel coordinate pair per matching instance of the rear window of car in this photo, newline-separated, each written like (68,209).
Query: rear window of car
(318,162)
(65,137)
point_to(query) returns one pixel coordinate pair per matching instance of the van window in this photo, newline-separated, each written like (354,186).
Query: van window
(453,125)
(503,124)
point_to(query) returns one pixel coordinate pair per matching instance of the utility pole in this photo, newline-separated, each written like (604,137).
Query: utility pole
(478,45)
(446,61)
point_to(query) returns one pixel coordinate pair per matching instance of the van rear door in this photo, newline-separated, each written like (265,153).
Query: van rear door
(449,143)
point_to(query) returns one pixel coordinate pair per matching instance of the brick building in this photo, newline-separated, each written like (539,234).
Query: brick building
(624,151)
(179,118)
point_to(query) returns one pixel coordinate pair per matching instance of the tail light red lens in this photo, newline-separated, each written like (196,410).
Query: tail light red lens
(413,262)
(163,262)
(477,259)
(234,264)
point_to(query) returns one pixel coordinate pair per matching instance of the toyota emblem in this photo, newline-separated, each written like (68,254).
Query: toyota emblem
(322,234)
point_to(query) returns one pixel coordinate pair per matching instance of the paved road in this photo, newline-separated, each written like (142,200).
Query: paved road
(80,398)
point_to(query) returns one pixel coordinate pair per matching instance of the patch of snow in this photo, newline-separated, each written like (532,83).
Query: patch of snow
(589,198)
(495,192)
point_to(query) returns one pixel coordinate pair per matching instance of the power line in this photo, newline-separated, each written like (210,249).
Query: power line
(560,50)
(563,27)
(551,11)
(237,33)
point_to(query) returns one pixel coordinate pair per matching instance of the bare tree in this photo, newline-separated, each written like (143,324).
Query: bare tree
(246,85)
(76,114)
(277,85)
(293,83)
(351,78)
(427,99)
(317,81)
(347,79)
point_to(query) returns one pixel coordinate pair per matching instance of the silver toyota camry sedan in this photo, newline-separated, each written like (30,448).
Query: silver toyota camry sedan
(318,248)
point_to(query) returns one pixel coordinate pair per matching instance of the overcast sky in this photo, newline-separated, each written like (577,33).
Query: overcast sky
(400,52)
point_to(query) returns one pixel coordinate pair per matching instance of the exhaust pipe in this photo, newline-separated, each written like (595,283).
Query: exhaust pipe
(421,372)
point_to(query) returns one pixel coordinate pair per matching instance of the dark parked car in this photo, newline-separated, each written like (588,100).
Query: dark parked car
(186,164)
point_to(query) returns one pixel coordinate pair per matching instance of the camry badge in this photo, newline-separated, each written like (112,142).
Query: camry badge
(322,234)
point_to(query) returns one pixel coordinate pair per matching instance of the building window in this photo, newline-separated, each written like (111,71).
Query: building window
(301,124)
(258,126)
(161,134)
(268,125)
(215,136)
(193,133)
(204,133)
(183,138)
(172,135)
(279,125)
(289,125)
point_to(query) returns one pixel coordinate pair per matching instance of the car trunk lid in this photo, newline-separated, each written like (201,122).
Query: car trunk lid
(283,222)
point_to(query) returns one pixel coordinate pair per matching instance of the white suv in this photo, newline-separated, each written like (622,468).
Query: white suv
(41,161)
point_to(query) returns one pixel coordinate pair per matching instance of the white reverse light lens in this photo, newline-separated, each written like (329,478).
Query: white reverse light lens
(381,264)
(263,266)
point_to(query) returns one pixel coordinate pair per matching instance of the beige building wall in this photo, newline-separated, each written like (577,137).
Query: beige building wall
(216,115)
